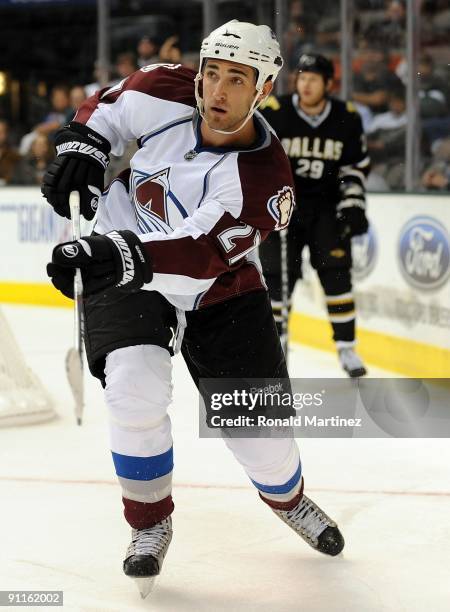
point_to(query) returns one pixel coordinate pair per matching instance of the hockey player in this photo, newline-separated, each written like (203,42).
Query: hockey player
(174,247)
(324,141)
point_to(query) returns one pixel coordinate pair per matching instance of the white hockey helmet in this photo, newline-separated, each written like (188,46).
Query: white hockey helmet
(243,43)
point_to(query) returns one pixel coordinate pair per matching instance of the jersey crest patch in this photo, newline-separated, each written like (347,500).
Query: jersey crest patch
(280,206)
(156,206)
(151,194)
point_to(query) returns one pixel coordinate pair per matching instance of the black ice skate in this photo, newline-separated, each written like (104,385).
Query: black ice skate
(314,526)
(351,363)
(146,553)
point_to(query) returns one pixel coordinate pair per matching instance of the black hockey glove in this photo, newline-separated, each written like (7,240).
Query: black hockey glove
(117,259)
(351,221)
(82,158)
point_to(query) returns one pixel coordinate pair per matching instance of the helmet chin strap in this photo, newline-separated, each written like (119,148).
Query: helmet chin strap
(200,107)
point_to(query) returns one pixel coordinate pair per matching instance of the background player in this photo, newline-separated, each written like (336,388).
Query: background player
(184,224)
(324,141)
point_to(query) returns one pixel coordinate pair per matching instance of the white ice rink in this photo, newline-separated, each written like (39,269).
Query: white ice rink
(62,528)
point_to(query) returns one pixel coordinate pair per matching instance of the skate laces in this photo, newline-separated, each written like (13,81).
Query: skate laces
(152,541)
(307,518)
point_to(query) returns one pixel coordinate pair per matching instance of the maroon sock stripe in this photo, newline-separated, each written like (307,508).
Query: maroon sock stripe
(142,516)
(289,505)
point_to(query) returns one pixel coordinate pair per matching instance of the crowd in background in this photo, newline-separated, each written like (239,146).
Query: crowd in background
(379,79)
(24,156)
(378,89)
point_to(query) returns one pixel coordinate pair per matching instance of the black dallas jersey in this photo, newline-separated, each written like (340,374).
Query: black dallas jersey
(325,151)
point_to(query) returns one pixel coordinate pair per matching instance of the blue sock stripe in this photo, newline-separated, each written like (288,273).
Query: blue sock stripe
(143,468)
(283,488)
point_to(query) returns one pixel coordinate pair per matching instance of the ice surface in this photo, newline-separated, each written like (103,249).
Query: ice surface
(62,527)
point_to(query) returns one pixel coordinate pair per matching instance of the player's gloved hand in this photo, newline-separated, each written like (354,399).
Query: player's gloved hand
(351,221)
(117,259)
(82,158)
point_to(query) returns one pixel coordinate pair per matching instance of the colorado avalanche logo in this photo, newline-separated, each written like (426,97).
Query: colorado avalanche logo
(156,207)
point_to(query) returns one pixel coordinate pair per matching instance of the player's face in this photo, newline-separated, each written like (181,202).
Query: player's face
(311,88)
(228,92)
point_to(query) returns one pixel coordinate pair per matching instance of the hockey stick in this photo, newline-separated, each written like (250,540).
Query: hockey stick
(74,357)
(284,292)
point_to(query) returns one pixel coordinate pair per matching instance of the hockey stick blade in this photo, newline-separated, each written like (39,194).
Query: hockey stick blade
(74,369)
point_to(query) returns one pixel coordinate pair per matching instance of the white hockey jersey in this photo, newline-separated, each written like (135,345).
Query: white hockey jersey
(200,211)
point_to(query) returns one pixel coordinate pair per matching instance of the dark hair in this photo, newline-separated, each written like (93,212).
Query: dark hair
(126,56)
(398,92)
(61,87)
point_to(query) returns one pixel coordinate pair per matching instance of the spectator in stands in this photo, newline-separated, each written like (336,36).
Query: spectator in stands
(386,140)
(372,84)
(328,35)
(60,104)
(190,60)
(125,65)
(53,120)
(437,178)
(433,90)
(148,51)
(91,88)
(396,116)
(390,31)
(169,51)
(77,97)
(9,157)
(437,175)
(31,168)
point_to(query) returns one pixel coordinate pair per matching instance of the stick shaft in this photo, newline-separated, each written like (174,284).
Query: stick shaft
(284,291)
(76,375)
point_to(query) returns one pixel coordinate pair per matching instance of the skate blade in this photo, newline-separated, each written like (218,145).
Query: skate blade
(145,585)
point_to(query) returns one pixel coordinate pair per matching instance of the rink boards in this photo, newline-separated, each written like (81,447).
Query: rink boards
(401,277)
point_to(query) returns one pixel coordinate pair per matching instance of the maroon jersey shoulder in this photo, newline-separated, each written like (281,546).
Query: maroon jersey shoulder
(267,186)
(172,82)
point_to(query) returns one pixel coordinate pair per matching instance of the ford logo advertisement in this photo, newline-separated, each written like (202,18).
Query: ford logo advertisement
(424,253)
(364,254)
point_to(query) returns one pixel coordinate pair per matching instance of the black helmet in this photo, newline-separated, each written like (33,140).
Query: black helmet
(313,62)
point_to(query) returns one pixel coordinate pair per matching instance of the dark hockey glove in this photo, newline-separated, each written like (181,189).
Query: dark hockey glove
(117,259)
(82,158)
(351,221)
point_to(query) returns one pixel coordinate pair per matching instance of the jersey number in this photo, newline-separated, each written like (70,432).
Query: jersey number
(310,168)
(243,238)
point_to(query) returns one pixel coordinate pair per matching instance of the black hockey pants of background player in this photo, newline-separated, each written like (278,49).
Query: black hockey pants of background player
(330,256)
